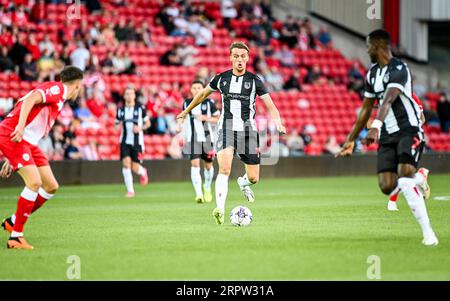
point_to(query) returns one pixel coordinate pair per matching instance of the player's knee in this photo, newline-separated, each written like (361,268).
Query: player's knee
(51,188)
(225,170)
(34,185)
(386,187)
(253,178)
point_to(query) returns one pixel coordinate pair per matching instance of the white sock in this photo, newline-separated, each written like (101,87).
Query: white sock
(419,178)
(141,170)
(128,179)
(416,202)
(209,175)
(196,179)
(16,234)
(221,191)
(243,181)
(13,218)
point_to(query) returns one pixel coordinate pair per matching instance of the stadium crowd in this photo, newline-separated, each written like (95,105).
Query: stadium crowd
(36,57)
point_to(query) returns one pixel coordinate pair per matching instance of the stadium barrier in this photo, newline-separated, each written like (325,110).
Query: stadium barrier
(108,172)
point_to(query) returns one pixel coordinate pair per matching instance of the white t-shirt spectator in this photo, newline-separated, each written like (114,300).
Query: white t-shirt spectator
(228,10)
(204,36)
(79,57)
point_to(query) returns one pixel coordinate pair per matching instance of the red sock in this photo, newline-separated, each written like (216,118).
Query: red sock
(24,207)
(42,197)
(393,197)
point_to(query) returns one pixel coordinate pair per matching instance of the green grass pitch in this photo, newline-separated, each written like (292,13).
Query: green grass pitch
(303,229)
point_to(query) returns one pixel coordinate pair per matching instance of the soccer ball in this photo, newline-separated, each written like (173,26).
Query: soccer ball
(241,216)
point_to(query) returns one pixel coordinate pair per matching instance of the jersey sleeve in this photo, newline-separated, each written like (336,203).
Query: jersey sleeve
(398,77)
(368,89)
(51,93)
(214,110)
(260,88)
(213,84)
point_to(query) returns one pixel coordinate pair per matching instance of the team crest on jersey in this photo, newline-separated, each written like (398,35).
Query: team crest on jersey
(204,106)
(53,90)
(386,78)
(399,67)
(26,157)
(224,83)
(247,85)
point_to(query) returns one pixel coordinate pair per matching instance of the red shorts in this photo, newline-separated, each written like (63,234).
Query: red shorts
(22,154)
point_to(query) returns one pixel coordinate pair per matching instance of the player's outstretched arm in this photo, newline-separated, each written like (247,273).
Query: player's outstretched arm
(198,99)
(360,123)
(28,103)
(389,98)
(274,113)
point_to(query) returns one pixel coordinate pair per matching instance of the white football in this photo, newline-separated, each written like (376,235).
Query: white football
(241,216)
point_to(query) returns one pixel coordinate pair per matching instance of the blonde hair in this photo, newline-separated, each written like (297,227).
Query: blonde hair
(239,45)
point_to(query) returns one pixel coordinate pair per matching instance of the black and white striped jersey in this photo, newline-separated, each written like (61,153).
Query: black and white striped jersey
(194,129)
(404,115)
(238,99)
(129,117)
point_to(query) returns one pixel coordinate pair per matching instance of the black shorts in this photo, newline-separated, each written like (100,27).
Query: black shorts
(245,144)
(406,150)
(134,152)
(200,150)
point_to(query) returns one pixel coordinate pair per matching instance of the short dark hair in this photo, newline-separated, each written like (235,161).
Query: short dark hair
(71,73)
(198,81)
(239,45)
(380,35)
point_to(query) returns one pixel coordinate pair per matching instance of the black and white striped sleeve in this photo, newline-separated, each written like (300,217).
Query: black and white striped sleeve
(213,84)
(368,89)
(398,77)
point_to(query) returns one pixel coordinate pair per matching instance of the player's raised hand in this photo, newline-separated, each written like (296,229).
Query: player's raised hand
(17,135)
(6,170)
(346,150)
(371,137)
(181,116)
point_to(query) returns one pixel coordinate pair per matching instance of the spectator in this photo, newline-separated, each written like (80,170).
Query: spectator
(272,79)
(313,149)
(90,151)
(5,17)
(108,36)
(266,7)
(28,69)
(66,115)
(228,12)
(65,55)
(295,144)
(308,129)
(443,110)
(80,56)
(431,117)
(260,63)
(123,31)
(186,54)
(46,145)
(143,35)
(122,64)
(286,57)
(204,36)
(289,32)
(107,64)
(20,16)
(331,146)
(33,47)
(38,12)
(57,135)
(303,39)
(93,6)
(47,67)
(313,75)
(356,80)
(324,36)
(293,83)
(246,9)
(204,74)
(6,64)
(171,58)
(18,50)
(86,117)
(81,33)
(72,152)
(46,44)
(95,33)
(97,104)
